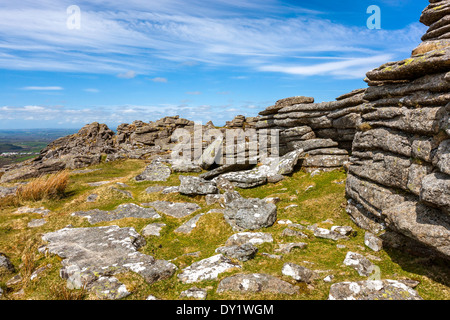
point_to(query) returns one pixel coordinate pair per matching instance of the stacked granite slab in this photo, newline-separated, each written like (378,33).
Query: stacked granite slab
(323,130)
(399,180)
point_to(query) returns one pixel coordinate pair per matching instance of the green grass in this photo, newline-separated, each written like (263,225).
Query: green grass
(325,200)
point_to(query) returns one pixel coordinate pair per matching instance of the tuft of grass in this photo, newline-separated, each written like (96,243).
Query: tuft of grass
(58,291)
(44,188)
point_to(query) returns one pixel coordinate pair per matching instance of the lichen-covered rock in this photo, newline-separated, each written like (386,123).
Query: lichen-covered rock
(298,273)
(243,252)
(190,185)
(372,290)
(5,264)
(156,171)
(250,214)
(127,210)
(206,269)
(254,238)
(358,262)
(89,253)
(174,209)
(254,283)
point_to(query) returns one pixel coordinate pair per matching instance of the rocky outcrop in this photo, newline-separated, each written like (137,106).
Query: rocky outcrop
(399,177)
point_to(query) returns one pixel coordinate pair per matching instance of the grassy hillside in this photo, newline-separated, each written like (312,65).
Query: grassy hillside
(319,199)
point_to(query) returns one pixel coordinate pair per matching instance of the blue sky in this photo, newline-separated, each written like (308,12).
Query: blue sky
(202,60)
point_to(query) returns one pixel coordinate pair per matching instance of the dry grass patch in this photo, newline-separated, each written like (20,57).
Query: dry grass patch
(44,188)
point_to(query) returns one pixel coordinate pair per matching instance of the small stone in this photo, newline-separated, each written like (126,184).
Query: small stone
(343,230)
(14,280)
(243,252)
(372,241)
(151,297)
(92,197)
(5,264)
(287,247)
(358,262)
(35,223)
(272,256)
(254,238)
(328,234)
(153,229)
(293,233)
(290,206)
(285,221)
(298,273)
(328,278)
(207,269)
(194,292)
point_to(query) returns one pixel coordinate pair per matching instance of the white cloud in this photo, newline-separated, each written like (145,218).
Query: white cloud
(194,92)
(34,88)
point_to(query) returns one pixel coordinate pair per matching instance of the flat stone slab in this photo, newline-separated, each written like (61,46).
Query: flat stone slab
(256,282)
(192,186)
(153,229)
(90,253)
(174,209)
(41,210)
(194,292)
(154,189)
(243,252)
(35,223)
(372,290)
(98,184)
(128,210)
(250,214)
(189,225)
(254,238)
(207,269)
(156,171)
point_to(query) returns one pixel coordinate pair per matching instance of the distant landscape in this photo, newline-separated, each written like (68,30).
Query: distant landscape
(22,144)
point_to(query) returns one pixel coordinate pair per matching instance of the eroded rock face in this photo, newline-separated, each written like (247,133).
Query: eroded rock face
(256,282)
(399,178)
(372,290)
(89,254)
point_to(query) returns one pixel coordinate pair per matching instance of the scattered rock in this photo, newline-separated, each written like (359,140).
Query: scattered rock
(256,282)
(293,233)
(38,271)
(243,252)
(5,264)
(328,279)
(92,197)
(90,253)
(154,189)
(14,280)
(156,171)
(194,292)
(123,193)
(172,189)
(196,186)
(298,273)
(127,210)
(42,211)
(98,184)
(189,225)
(185,167)
(206,269)
(372,290)
(254,238)
(153,229)
(109,288)
(343,230)
(372,241)
(328,234)
(361,264)
(35,223)
(250,214)
(287,247)
(174,209)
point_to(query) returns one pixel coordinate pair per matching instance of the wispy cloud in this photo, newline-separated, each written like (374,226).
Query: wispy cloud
(194,93)
(159,79)
(34,88)
(147,36)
